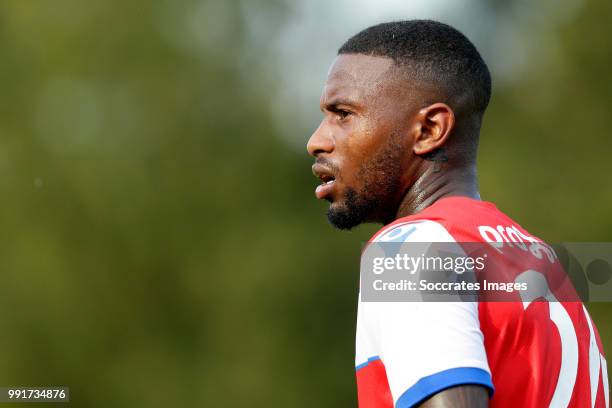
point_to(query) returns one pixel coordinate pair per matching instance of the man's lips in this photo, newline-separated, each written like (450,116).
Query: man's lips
(323,190)
(327,177)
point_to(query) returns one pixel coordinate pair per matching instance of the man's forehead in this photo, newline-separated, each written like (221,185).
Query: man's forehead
(356,74)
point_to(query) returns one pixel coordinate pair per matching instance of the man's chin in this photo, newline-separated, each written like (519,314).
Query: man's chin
(351,211)
(342,217)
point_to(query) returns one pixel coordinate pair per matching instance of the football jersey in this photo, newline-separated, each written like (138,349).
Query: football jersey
(526,353)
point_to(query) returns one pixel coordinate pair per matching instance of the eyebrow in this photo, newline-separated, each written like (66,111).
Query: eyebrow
(335,102)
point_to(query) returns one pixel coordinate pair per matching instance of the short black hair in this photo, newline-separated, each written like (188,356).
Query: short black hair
(433,52)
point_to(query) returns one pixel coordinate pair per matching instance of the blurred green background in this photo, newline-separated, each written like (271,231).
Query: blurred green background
(160,240)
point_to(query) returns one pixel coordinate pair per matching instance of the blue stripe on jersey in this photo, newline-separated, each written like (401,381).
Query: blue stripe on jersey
(360,366)
(433,384)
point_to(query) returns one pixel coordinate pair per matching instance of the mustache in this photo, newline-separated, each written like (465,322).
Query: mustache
(328,164)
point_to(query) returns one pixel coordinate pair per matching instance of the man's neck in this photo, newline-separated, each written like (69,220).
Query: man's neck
(432,186)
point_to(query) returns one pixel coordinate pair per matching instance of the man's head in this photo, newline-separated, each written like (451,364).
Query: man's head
(398,97)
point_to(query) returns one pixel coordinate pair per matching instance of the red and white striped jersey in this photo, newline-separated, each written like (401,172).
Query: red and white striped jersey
(528,354)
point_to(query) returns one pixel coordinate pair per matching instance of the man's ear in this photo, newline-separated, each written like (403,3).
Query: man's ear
(434,125)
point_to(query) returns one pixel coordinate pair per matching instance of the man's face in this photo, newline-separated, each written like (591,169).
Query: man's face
(361,146)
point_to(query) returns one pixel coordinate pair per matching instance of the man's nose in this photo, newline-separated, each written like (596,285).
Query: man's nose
(321,141)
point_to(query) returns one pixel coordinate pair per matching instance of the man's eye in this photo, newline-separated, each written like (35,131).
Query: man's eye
(342,114)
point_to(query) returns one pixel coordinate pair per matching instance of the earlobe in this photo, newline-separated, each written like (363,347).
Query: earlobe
(435,125)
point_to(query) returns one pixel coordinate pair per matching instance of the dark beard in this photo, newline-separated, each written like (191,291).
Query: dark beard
(354,212)
(381,181)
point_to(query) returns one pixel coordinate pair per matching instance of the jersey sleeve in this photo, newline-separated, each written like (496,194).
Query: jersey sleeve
(427,347)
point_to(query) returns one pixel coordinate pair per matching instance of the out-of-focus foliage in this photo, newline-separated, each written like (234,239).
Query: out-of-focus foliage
(160,243)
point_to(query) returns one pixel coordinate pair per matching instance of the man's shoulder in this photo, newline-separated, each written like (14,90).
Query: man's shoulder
(459,219)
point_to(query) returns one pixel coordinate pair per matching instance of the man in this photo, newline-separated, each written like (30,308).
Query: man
(403,105)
